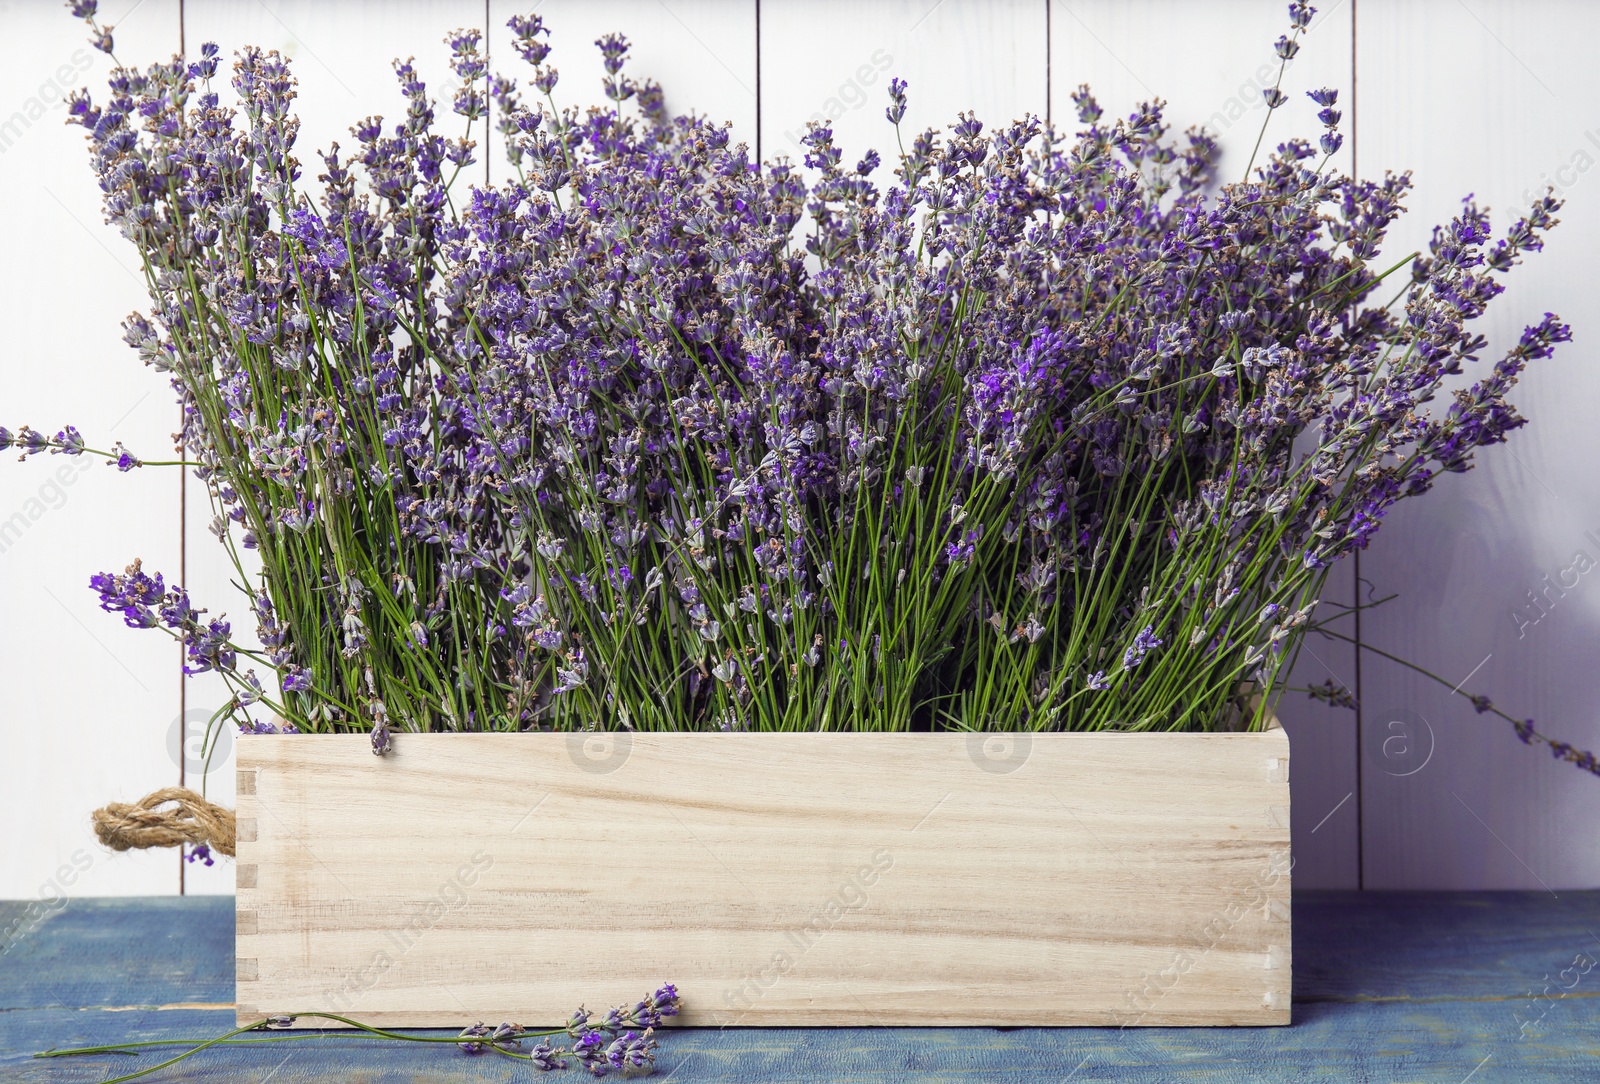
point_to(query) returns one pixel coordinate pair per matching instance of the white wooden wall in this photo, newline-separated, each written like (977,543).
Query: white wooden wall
(1481,96)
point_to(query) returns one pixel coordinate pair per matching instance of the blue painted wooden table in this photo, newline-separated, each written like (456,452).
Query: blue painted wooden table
(1425,987)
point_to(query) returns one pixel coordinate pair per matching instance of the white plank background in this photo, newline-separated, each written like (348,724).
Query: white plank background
(1500,102)
(1476,96)
(85,704)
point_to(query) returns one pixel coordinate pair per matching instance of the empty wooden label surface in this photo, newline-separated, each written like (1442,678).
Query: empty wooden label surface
(777,879)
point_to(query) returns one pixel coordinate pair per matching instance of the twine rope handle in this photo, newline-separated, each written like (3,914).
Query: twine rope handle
(124,826)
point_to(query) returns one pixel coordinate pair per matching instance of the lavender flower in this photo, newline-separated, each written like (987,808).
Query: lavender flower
(134,595)
(1142,645)
(472,1034)
(659,1005)
(897,101)
(632,1051)
(249,726)
(123,459)
(480,1037)
(545,1057)
(68,442)
(590,1050)
(1333,694)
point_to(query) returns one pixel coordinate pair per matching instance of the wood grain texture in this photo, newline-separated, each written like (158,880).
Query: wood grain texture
(778,879)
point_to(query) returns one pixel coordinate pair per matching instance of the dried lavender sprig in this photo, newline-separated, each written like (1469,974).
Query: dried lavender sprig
(1300,15)
(70,442)
(1338,696)
(87,10)
(608,1043)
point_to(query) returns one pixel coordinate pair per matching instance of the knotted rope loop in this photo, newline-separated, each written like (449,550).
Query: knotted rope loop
(124,826)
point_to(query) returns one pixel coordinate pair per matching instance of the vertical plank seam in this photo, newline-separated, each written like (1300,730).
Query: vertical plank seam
(758,87)
(1361,807)
(183,546)
(488,108)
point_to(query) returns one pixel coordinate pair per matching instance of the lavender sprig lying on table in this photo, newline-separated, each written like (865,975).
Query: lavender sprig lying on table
(620,1041)
(1021,430)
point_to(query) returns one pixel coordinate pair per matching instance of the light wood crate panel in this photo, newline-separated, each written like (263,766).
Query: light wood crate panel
(777,879)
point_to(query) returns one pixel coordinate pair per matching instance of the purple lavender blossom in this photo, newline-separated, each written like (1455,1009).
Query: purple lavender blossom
(546,1057)
(590,1050)
(471,1036)
(134,594)
(897,101)
(652,1010)
(68,442)
(262,727)
(632,1051)
(1142,645)
(123,459)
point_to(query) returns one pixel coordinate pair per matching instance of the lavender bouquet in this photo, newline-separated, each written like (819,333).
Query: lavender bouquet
(1020,430)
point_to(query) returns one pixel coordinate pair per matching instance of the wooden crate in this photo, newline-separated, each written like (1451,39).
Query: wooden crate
(777,879)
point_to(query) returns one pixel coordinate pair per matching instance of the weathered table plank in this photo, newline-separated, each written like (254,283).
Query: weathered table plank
(1389,987)
(107,952)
